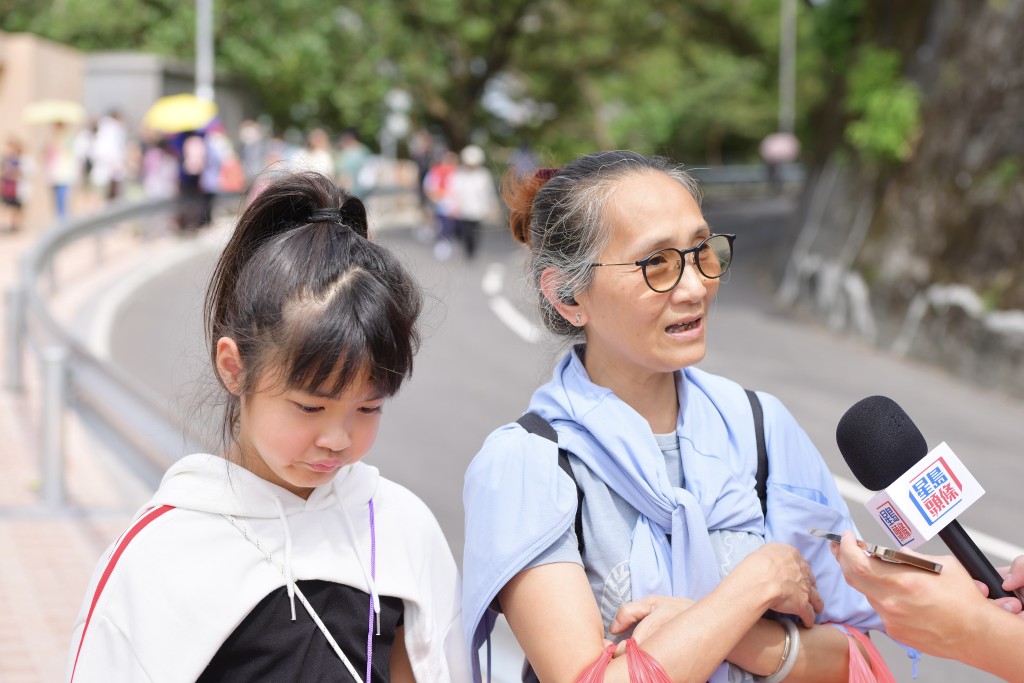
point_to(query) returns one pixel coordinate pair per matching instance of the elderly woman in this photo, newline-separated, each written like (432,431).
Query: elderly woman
(647,510)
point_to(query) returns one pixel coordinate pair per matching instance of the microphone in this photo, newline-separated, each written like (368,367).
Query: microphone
(920,492)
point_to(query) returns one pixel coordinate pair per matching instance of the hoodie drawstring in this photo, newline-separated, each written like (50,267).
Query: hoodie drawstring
(288,576)
(373,612)
(243,529)
(368,571)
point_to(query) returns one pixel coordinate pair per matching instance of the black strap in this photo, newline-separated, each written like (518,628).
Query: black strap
(535,424)
(761,480)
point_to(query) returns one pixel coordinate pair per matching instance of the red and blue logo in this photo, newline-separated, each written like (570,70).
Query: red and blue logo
(897,526)
(936,491)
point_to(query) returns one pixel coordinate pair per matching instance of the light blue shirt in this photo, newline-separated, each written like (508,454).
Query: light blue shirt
(519,502)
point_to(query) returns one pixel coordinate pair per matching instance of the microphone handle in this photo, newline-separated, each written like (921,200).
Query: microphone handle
(971,557)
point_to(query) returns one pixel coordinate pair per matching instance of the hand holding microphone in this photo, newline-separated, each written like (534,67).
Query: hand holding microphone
(921,492)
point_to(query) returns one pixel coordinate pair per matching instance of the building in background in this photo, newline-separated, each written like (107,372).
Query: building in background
(34,69)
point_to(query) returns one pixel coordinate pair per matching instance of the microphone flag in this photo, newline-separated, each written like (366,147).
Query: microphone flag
(924,500)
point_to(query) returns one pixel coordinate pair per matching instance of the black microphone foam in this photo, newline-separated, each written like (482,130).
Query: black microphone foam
(879,441)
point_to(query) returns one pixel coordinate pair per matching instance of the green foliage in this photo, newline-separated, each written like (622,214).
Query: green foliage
(835,29)
(695,80)
(886,107)
(1007,172)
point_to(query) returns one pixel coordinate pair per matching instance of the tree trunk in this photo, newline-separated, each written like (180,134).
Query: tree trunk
(941,259)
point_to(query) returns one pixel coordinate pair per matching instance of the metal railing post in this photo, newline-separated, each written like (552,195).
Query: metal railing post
(55,386)
(15,305)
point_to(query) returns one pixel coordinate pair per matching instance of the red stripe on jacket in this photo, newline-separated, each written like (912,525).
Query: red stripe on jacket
(126,538)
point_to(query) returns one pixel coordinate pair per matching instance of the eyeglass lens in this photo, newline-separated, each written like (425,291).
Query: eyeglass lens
(664,268)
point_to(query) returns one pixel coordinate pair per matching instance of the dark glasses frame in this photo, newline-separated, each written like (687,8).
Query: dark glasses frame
(642,263)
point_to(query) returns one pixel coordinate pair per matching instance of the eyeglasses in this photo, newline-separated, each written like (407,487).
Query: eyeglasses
(664,268)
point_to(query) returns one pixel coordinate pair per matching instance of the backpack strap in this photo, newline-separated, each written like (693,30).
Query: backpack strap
(535,424)
(761,479)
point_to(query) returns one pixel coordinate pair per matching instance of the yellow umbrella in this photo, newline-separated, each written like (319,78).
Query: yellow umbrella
(54,111)
(179,113)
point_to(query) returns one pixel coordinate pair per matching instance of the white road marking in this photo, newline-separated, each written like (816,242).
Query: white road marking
(514,320)
(492,285)
(494,279)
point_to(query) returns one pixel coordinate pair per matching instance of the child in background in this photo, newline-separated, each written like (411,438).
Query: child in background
(287,558)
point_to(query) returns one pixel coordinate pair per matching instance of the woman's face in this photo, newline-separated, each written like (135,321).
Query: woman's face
(634,333)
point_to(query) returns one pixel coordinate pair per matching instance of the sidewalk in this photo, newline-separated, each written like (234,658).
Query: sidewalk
(49,554)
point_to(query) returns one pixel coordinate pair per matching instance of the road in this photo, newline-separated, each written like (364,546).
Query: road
(479,364)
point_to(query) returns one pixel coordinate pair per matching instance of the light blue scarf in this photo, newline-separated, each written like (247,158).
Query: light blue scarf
(617,445)
(518,501)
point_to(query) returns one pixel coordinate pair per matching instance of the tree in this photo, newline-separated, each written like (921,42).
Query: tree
(693,80)
(916,177)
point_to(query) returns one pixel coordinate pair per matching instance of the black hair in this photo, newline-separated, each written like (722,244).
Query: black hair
(306,295)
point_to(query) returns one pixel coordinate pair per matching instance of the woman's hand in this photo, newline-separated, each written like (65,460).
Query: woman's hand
(783,577)
(931,612)
(648,615)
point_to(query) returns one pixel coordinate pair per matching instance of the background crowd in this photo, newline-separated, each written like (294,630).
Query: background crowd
(86,166)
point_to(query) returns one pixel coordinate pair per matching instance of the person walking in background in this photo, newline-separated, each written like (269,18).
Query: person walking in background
(421,152)
(666,459)
(437,186)
(159,178)
(108,155)
(288,558)
(14,174)
(159,171)
(252,151)
(88,193)
(61,167)
(191,203)
(473,197)
(351,159)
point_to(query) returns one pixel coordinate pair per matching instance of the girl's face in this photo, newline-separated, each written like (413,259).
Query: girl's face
(300,440)
(634,333)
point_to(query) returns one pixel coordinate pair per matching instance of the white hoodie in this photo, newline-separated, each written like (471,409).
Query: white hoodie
(179,581)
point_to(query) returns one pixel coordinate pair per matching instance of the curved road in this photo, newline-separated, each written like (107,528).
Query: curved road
(482,356)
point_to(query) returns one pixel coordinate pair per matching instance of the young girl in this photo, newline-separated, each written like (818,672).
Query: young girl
(287,558)
(664,458)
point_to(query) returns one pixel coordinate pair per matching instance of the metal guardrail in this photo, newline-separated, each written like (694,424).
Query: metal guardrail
(72,376)
(747,174)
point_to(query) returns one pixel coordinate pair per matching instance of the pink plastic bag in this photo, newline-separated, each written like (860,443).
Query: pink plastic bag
(643,668)
(872,670)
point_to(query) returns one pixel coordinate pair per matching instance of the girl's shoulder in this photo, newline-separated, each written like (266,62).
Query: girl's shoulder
(393,493)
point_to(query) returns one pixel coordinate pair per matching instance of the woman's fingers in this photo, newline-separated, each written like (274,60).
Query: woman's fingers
(631,613)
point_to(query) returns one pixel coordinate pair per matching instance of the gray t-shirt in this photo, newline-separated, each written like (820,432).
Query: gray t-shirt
(608,522)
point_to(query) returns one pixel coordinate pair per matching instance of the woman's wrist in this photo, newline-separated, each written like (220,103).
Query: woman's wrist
(790,652)
(761,649)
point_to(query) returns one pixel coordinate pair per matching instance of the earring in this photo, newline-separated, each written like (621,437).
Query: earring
(578,320)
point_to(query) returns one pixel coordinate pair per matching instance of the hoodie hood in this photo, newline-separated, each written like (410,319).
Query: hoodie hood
(209,483)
